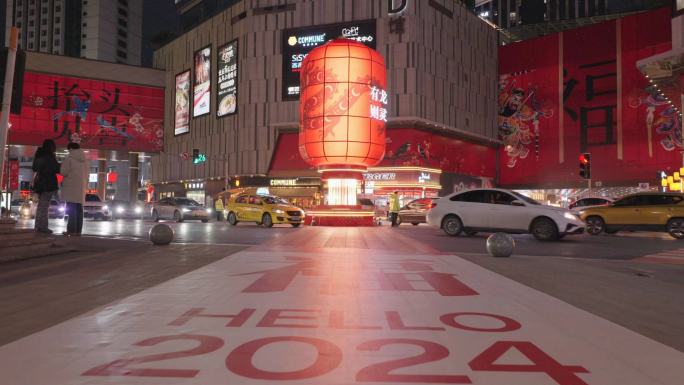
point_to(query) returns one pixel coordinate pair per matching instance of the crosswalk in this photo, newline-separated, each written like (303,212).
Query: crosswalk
(668,257)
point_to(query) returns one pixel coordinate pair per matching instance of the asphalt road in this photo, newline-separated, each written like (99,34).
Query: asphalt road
(619,246)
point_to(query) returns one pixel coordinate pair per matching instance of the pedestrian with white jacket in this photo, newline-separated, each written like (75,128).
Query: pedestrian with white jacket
(75,171)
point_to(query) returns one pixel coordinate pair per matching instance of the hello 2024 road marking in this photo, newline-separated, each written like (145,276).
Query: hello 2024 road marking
(329,356)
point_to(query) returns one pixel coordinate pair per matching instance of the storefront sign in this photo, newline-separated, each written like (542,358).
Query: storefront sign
(283,182)
(202,82)
(92,177)
(372,176)
(226,84)
(182,104)
(297,43)
(97,114)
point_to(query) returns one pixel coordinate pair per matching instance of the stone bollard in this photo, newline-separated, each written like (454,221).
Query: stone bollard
(500,245)
(161,234)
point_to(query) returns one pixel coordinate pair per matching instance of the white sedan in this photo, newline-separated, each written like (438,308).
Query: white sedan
(493,210)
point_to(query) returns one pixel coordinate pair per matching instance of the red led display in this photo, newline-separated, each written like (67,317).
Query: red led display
(97,114)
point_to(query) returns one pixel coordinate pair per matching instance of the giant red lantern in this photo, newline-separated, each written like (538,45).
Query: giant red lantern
(343,111)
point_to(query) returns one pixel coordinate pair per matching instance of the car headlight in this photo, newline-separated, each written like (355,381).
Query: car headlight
(138,210)
(278,211)
(208,211)
(570,216)
(105,208)
(61,208)
(119,209)
(185,210)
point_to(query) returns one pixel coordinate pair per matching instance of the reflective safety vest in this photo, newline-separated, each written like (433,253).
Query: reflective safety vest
(218,204)
(394,203)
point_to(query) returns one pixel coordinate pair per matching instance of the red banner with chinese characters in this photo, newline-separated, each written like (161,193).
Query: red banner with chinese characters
(407,147)
(97,114)
(11,173)
(602,105)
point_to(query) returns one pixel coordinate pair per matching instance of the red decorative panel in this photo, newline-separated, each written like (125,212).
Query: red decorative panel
(98,114)
(343,105)
(560,96)
(407,147)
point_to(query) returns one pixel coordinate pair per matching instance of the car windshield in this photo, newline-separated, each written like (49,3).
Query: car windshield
(92,198)
(274,200)
(186,202)
(525,199)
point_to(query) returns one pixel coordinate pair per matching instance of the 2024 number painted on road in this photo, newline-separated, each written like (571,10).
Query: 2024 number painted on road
(329,357)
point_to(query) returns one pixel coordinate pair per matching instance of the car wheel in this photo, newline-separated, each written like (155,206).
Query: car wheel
(205,220)
(267,220)
(232,219)
(544,229)
(155,216)
(675,227)
(595,225)
(470,233)
(296,224)
(415,223)
(177,216)
(452,225)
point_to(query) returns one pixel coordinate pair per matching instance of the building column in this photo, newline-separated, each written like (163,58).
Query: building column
(133,176)
(102,175)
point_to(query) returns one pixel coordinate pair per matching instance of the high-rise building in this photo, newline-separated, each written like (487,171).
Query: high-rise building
(525,19)
(109,30)
(194,12)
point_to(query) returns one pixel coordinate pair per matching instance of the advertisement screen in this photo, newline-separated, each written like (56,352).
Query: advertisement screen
(226,81)
(97,114)
(202,83)
(182,103)
(298,42)
(559,98)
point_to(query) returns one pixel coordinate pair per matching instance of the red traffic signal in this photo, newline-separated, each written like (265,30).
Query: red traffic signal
(585,165)
(584,158)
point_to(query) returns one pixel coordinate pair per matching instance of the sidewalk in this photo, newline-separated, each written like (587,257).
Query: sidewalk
(41,292)
(337,306)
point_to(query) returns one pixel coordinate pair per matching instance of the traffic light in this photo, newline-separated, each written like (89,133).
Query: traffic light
(18,83)
(197,157)
(585,165)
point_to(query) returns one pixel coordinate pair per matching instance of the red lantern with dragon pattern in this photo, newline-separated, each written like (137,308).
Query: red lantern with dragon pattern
(343,106)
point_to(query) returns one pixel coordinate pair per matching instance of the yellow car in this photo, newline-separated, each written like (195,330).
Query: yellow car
(262,209)
(649,211)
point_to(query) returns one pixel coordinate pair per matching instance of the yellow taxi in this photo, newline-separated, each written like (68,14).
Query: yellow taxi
(265,210)
(648,211)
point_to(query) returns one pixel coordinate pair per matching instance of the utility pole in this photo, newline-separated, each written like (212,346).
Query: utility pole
(7,99)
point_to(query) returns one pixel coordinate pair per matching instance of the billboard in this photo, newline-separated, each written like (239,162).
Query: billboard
(226,79)
(298,42)
(559,97)
(97,114)
(201,86)
(182,104)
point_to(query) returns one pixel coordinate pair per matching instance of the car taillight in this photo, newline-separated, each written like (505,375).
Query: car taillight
(432,205)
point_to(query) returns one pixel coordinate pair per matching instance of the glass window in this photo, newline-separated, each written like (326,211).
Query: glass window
(525,199)
(254,200)
(658,200)
(632,200)
(92,198)
(501,198)
(186,202)
(241,199)
(277,200)
(476,196)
